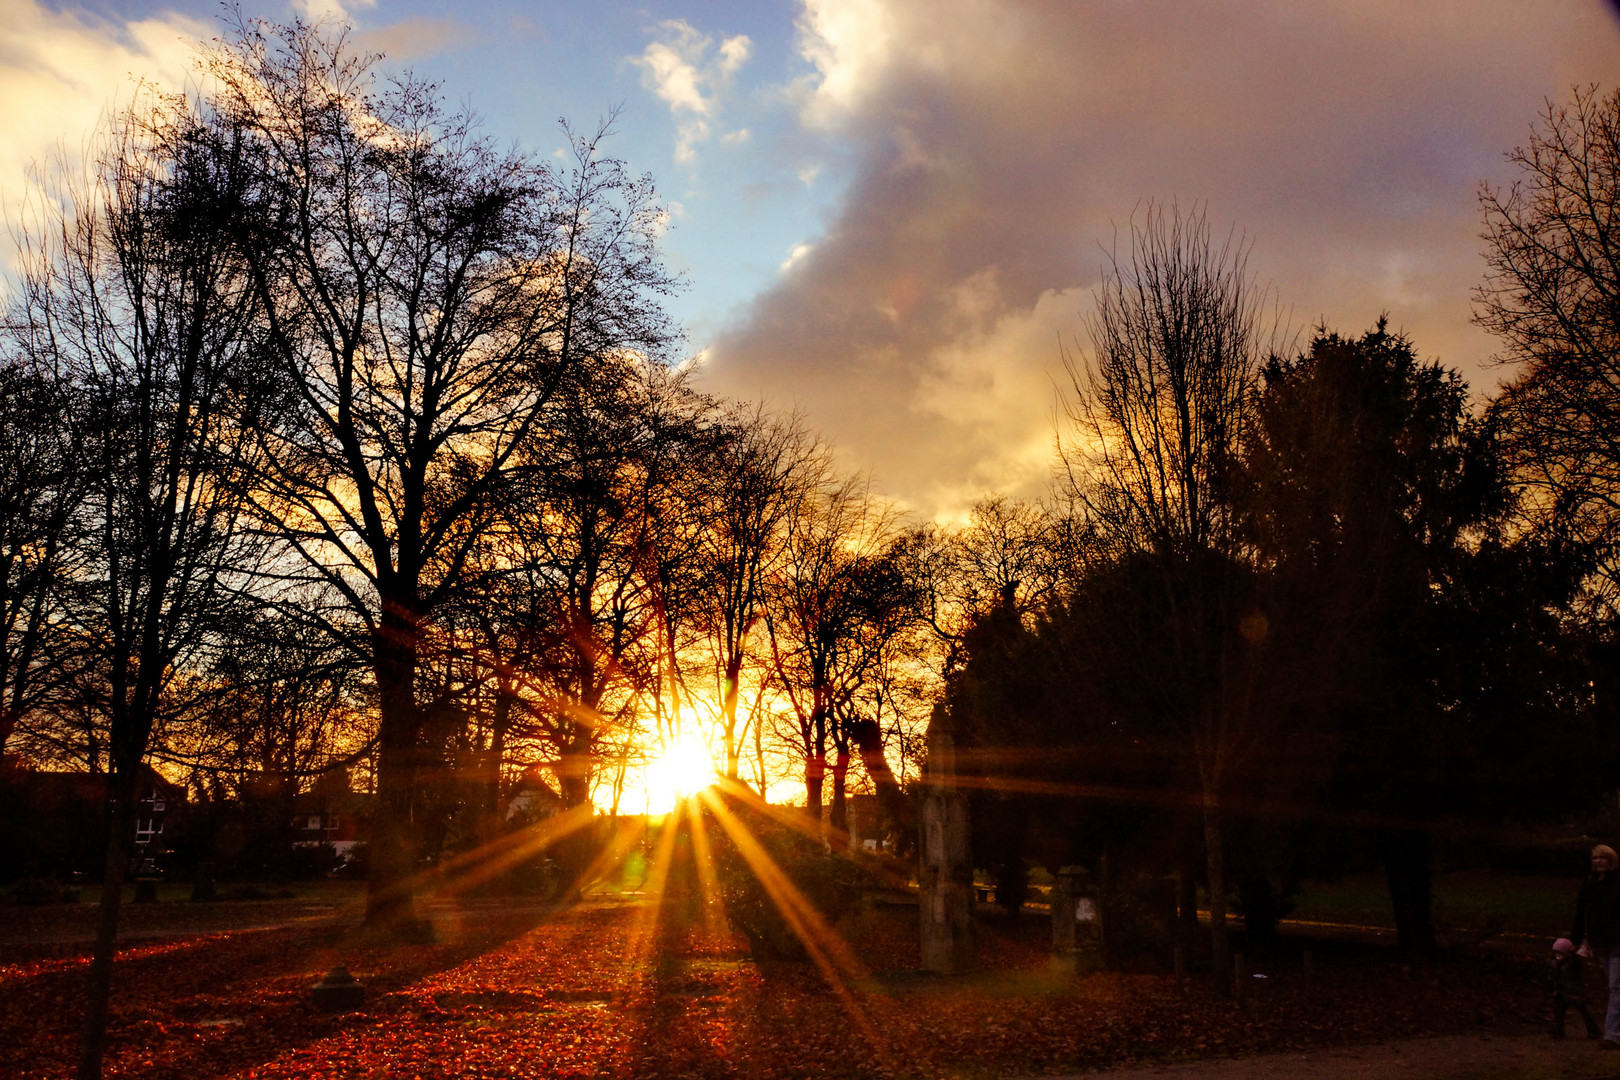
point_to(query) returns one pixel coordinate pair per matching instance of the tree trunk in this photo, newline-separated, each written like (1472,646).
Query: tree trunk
(493,758)
(575,851)
(815,772)
(390,895)
(1219,940)
(759,760)
(728,718)
(1262,911)
(1405,854)
(574,778)
(838,817)
(869,741)
(1187,904)
(120,826)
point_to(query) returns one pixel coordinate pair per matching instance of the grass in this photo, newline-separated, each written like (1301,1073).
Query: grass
(175,914)
(1470,902)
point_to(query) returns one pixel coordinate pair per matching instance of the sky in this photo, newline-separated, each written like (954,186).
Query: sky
(893,214)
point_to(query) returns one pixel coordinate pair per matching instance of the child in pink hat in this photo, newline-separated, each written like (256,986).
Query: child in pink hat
(1568,989)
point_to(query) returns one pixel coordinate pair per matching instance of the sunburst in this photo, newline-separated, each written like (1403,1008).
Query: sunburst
(682,768)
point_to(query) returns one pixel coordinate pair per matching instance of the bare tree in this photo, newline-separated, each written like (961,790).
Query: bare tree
(585,623)
(885,609)
(279,700)
(835,599)
(42,486)
(428,297)
(138,296)
(1552,294)
(1178,337)
(1006,554)
(758,468)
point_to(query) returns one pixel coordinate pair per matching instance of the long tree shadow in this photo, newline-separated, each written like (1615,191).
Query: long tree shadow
(218,1004)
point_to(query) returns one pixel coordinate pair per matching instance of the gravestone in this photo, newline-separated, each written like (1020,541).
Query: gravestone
(1077,931)
(945,870)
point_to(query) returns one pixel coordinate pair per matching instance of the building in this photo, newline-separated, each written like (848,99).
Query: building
(331,812)
(55,823)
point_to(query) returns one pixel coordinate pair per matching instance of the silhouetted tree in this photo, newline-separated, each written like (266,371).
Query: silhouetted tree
(138,294)
(835,600)
(281,702)
(428,297)
(1552,294)
(42,486)
(1366,490)
(583,548)
(1006,554)
(1070,737)
(1178,336)
(758,469)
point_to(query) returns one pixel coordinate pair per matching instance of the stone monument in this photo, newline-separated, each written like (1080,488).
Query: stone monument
(1077,930)
(945,864)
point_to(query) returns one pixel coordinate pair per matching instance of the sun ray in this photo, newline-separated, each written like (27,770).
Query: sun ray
(827,950)
(714,910)
(896,872)
(472,868)
(644,927)
(611,856)
(793,817)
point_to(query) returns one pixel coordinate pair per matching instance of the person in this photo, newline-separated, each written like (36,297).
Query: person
(1568,988)
(1597,928)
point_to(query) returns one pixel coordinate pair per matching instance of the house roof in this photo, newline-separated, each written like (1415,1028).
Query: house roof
(357,803)
(49,787)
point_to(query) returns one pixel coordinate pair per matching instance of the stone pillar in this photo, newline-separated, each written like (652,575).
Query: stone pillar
(945,864)
(1063,912)
(1076,921)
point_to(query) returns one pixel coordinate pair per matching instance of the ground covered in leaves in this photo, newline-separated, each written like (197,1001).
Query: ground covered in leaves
(611,990)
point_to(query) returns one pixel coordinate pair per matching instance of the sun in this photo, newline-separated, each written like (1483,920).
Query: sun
(683,768)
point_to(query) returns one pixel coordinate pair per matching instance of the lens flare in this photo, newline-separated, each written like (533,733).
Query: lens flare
(682,769)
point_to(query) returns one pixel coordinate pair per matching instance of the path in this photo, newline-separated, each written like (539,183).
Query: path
(1447,1057)
(185,920)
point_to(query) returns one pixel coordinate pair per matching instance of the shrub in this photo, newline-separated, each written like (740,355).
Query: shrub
(830,883)
(306,862)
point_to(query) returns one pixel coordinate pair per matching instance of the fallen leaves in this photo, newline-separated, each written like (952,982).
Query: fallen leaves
(602,992)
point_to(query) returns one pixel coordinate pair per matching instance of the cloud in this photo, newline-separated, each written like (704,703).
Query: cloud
(685,69)
(799,252)
(979,385)
(61,71)
(998,143)
(419,36)
(849,42)
(316,11)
